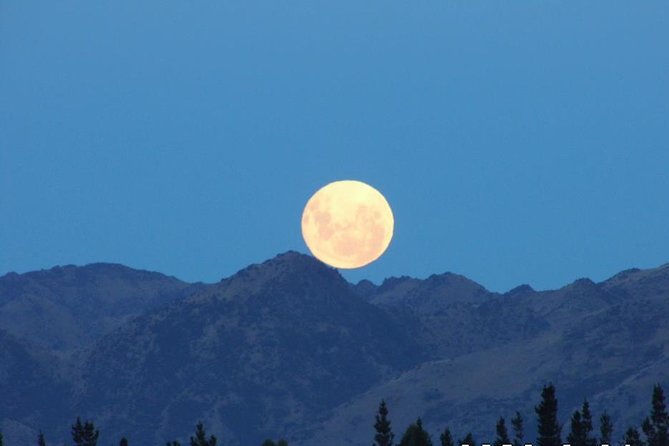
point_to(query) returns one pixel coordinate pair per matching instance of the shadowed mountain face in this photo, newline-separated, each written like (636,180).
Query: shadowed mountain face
(262,353)
(288,348)
(28,385)
(68,307)
(608,342)
(451,315)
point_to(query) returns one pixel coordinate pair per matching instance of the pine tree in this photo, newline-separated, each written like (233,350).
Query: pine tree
(384,433)
(502,433)
(173,443)
(656,427)
(632,437)
(468,440)
(605,429)
(577,434)
(40,439)
(84,434)
(547,423)
(446,439)
(415,435)
(200,438)
(586,416)
(1,441)
(580,433)
(123,442)
(518,434)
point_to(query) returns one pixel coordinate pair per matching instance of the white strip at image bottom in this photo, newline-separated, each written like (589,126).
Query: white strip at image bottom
(529,444)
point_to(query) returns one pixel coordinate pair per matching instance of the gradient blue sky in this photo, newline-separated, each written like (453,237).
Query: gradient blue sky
(517,141)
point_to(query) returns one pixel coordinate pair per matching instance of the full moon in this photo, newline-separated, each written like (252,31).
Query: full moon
(347,224)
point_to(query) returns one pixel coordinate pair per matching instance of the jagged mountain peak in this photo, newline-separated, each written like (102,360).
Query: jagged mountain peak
(277,346)
(69,307)
(650,282)
(290,275)
(430,294)
(453,281)
(391,282)
(521,290)
(582,284)
(286,266)
(365,289)
(288,335)
(71,271)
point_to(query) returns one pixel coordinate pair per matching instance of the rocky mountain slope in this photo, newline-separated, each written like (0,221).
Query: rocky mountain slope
(608,342)
(30,388)
(257,355)
(67,307)
(289,348)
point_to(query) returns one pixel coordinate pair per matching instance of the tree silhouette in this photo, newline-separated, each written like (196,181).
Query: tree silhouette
(1,441)
(384,433)
(586,416)
(502,433)
(632,437)
(576,436)
(605,428)
(446,439)
(518,434)
(656,427)
(580,433)
(547,423)
(415,435)
(200,438)
(469,440)
(84,434)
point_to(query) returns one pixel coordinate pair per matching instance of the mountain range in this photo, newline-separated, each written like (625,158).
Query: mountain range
(288,348)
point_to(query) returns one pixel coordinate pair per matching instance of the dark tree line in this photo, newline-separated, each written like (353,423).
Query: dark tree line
(655,427)
(85,434)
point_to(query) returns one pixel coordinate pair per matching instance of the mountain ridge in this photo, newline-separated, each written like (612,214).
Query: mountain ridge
(288,347)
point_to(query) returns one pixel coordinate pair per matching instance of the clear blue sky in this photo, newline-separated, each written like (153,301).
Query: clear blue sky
(517,141)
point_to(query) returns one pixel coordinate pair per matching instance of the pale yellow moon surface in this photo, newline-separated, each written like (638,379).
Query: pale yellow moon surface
(347,224)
